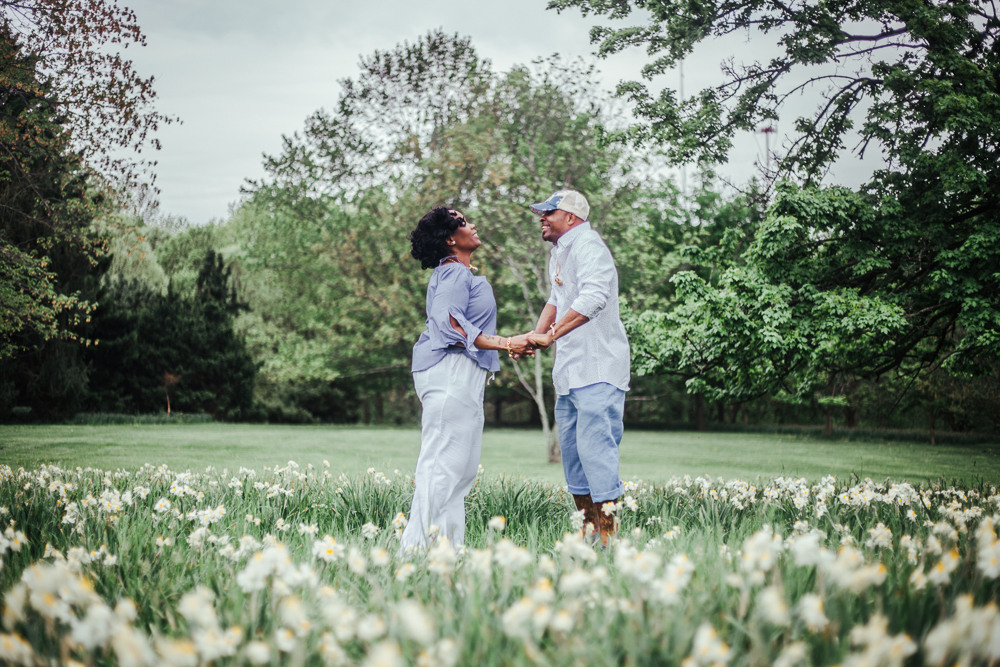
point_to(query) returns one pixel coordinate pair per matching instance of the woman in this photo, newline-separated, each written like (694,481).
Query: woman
(450,363)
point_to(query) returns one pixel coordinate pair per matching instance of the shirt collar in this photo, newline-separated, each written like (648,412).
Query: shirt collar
(566,240)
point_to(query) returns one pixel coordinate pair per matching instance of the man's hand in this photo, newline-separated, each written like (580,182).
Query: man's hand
(521,346)
(541,341)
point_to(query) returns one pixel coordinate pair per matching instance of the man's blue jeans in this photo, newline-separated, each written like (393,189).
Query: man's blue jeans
(590,429)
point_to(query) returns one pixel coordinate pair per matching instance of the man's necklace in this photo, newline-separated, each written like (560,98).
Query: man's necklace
(556,278)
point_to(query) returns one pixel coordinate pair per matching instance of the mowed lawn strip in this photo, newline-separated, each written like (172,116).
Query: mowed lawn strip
(648,455)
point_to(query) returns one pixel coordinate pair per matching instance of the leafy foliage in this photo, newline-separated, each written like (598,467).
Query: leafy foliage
(72,112)
(45,211)
(450,131)
(105,105)
(917,71)
(899,275)
(384,122)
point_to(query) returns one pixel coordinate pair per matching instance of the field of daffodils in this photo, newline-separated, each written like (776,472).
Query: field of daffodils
(295,566)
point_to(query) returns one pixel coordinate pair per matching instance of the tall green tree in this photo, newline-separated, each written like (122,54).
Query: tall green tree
(328,225)
(348,297)
(45,209)
(384,122)
(50,263)
(74,117)
(900,274)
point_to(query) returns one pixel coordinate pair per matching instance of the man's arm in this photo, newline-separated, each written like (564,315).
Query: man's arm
(547,318)
(570,321)
(597,272)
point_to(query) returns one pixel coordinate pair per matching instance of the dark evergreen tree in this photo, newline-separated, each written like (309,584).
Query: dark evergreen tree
(213,286)
(120,376)
(221,370)
(171,352)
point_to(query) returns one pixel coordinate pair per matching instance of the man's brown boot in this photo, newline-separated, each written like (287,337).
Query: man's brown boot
(585,504)
(594,519)
(607,522)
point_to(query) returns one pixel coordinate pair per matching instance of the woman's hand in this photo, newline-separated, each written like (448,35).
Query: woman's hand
(521,345)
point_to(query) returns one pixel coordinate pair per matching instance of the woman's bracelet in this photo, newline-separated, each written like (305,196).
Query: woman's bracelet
(510,352)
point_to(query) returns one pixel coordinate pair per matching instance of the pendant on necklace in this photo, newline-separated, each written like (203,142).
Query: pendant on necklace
(558,281)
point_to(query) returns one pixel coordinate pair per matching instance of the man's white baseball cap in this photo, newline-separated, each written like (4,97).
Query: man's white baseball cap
(570,201)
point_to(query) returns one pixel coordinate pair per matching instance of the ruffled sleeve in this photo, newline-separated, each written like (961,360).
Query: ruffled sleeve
(451,297)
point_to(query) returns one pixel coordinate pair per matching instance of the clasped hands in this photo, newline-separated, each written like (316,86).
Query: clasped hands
(526,344)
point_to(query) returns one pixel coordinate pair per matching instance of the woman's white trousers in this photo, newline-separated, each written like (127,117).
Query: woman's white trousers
(451,439)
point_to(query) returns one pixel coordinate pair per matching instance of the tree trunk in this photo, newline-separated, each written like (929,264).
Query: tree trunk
(829,408)
(169,381)
(699,411)
(721,407)
(552,450)
(851,416)
(537,393)
(498,409)
(931,415)
(379,408)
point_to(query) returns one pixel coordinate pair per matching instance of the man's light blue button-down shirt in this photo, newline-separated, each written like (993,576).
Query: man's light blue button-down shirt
(598,351)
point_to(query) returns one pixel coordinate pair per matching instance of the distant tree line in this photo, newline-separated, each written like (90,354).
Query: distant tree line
(304,304)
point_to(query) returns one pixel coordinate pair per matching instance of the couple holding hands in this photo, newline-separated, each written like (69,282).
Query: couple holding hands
(460,347)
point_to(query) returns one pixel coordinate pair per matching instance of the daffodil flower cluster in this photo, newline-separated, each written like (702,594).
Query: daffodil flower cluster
(292,565)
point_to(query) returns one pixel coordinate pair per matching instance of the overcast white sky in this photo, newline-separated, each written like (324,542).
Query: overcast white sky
(241,73)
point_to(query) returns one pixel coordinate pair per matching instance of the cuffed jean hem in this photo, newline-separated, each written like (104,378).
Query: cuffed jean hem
(612,495)
(583,491)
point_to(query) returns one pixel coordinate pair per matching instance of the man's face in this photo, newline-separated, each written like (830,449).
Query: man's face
(555,224)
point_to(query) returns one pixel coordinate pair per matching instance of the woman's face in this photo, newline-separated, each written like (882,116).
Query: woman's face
(465,237)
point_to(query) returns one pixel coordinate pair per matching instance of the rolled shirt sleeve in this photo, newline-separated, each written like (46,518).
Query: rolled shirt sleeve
(452,298)
(599,351)
(596,277)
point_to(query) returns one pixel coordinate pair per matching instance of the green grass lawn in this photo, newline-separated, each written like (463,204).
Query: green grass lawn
(649,455)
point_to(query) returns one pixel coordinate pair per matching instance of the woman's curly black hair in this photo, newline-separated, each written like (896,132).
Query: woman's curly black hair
(429,241)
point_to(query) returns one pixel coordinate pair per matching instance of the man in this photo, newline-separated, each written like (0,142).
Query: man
(591,370)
